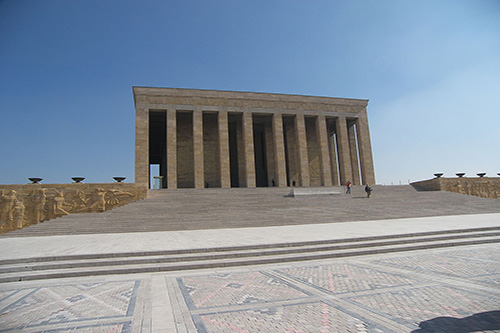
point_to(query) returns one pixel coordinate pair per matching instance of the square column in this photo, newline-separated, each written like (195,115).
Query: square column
(225,171)
(354,153)
(300,126)
(279,150)
(333,152)
(270,152)
(343,150)
(291,155)
(322,136)
(365,151)
(333,159)
(171,149)
(199,169)
(142,146)
(248,149)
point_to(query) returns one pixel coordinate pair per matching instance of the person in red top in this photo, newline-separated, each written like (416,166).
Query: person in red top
(348,185)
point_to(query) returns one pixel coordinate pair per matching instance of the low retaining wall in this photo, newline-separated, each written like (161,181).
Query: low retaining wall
(485,187)
(23,205)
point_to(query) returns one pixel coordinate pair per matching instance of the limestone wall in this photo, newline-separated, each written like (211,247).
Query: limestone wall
(485,187)
(428,185)
(23,205)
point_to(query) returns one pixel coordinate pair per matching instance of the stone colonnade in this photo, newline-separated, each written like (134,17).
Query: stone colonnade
(206,138)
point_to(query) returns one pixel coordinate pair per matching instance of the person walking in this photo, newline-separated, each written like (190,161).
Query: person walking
(348,186)
(368,191)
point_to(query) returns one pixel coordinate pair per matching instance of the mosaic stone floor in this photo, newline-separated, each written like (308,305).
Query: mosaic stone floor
(453,290)
(95,307)
(399,294)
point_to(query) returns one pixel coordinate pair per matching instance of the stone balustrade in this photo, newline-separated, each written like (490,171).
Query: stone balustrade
(485,187)
(23,205)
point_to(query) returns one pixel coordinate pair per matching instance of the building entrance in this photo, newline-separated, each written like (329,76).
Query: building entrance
(259,143)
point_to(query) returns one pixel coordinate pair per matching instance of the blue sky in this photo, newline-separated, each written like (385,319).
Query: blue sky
(430,68)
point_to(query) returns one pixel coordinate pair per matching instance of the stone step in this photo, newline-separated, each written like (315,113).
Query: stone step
(163,267)
(457,232)
(145,258)
(314,191)
(194,209)
(143,262)
(408,237)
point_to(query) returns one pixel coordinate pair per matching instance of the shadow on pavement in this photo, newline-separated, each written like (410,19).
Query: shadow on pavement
(484,321)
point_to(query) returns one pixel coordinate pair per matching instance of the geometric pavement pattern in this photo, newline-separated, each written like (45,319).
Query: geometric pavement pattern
(439,291)
(412,293)
(68,307)
(307,317)
(236,288)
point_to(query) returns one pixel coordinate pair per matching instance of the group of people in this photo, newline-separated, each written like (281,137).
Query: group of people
(368,189)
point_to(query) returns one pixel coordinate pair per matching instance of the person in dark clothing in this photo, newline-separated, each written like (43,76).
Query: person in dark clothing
(368,190)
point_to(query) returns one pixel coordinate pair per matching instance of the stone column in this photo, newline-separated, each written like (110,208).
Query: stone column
(300,127)
(322,130)
(333,153)
(354,153)
(291,151)
(240,142)
(248,149)
(171,148)
(224,166)
(333,159)
(365,151)
(343,150)
(279,150)
(142,146)
(199,169)
(270,152)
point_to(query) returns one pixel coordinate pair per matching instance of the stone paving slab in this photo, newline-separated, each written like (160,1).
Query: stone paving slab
(27,247)
(419,291)
(45,308)
(445,290)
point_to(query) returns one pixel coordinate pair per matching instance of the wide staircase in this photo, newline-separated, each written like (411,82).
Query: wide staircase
(188,209)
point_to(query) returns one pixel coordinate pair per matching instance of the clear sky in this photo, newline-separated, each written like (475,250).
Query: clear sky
(430,68)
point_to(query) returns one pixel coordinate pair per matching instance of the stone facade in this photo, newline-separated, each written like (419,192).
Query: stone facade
(23,205)
(207,138)
(485,187)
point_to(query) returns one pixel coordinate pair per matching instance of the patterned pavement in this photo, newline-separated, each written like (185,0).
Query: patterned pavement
(86,306)
(449,290)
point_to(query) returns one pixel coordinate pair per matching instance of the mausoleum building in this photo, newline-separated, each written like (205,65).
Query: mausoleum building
(209,138)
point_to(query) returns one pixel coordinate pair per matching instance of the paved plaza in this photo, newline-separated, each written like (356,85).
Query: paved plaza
(440,290)
(428,291)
